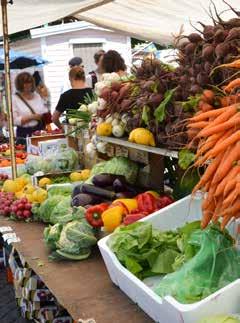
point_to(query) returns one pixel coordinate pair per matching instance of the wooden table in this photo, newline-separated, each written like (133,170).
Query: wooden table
(83,288)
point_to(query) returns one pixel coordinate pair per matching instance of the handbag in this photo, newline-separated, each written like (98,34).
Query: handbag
(46,117)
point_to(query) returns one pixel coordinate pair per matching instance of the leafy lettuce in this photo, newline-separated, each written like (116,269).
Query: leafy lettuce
(145,251)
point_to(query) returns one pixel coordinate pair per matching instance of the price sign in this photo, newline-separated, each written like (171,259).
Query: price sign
(5,229)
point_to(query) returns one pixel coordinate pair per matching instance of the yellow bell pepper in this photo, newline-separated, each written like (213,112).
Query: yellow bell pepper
(112,217)
(131,204)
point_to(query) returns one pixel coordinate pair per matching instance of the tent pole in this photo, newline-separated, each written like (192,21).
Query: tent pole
(8,87)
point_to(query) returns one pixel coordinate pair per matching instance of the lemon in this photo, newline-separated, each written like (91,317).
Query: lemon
(27,178)
(30,198)
(29,189)
(85,174)
(44,182)
(40,195)
(142,136)
(104,129)
(21,182)
(75,177)
(11,186)
(20,194)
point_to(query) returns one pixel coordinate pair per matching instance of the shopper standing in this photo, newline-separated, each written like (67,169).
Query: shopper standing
(95,75)
(74,97)
(74,62)
(28,106)
(111,62)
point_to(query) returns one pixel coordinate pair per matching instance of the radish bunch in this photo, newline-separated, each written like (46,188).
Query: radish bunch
(21,209)
(6,201)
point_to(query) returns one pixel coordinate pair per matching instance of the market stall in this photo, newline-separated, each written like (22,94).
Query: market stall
(145,142)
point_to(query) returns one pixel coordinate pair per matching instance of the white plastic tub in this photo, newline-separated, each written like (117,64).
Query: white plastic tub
(167,309)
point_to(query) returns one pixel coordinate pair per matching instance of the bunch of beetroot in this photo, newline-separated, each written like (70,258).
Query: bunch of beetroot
(201,52)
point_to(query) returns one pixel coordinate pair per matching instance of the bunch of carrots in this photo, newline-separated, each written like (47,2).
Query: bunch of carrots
(217,133)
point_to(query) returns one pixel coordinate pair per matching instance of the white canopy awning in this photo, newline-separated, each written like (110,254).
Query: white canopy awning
(154,20)
(27,14)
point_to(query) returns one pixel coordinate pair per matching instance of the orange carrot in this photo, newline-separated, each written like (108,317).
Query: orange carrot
(207,216)
(231,198)
(230,176)
(231,156)
(230,112)
(198,125)
(221,127)
(210,143)
(224,145)
(209,172)
(229,186)
(232,85)
(209,114)
(233,209)
(225,220)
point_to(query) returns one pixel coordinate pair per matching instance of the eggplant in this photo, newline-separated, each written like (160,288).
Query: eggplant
(76,190)
(104,180)
(123,195)
(91,189)
(85,199)
(119,185)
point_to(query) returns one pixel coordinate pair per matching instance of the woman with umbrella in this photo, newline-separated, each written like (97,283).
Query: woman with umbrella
(28,106)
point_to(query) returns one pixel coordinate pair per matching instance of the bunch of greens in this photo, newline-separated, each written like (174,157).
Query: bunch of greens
(71,241)
(61,190)
(145,251)
(215,264)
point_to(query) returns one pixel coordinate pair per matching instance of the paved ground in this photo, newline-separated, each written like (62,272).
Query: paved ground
(8,310)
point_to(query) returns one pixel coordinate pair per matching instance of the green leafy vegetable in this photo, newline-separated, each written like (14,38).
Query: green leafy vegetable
(214,264)
(160,112)
(63,190)
(145,251)
(185,158)
(191,104)
(47,207)
(145,114)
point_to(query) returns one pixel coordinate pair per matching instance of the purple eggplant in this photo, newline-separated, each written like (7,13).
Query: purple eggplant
(91,189)
(105,180)
(85,199)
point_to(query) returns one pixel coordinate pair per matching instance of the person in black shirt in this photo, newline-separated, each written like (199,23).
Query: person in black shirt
(73,98)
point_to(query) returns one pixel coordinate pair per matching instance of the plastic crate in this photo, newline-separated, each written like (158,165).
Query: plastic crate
(167,309)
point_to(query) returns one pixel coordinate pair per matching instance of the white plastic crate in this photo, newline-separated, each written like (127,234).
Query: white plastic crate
(167,309)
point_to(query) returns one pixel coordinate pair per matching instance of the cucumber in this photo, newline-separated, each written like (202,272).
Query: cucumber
(73,257)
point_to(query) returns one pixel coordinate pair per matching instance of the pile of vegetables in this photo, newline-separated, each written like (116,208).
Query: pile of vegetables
(63,160)
(125,211)
(70,241)
(218,137)
(146,251)
(201,52)
(190,258)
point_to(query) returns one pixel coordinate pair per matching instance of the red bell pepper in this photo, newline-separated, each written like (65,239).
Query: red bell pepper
(163,201)
(146,203)
(133,217)
(93,214)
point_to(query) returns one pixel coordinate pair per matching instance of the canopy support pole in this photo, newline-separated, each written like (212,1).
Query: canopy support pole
(8,87)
